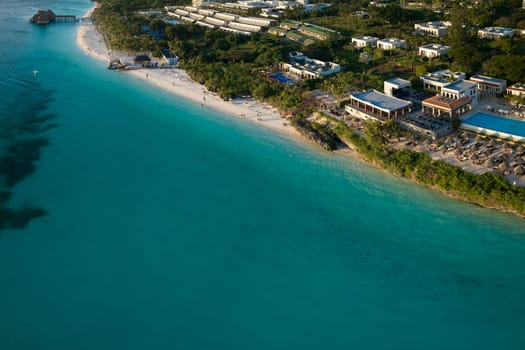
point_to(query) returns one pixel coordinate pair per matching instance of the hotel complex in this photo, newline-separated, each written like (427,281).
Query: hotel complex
(373,104)
(437,29)
(304,67)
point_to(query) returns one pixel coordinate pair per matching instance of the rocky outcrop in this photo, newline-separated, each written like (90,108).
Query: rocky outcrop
(43,17)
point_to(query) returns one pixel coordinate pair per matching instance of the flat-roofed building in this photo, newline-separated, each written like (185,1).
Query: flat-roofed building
(488,85)
(393,85)
(437,29)
(261,22)
(373,104)
(365,41)
(216,21)
(225,16)
(517,89)
(233,30)
(317,32)
(244,27)
(433,50)
(436,80)
(391,44)
(309,68)
(496,33)
(205,24)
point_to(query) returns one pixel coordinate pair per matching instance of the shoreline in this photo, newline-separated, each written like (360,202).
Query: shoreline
(177,82)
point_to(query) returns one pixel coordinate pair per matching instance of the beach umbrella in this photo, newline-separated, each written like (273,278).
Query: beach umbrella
(502,166)
(458,152)
(474,147)
(519,170)
(520,150)
(478,138)
(492,143)
(473,157)
(489,163)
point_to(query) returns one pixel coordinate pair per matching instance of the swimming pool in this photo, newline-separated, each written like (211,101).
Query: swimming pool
(493,125)
(281,78)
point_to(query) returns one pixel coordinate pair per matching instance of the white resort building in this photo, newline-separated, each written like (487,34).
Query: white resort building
(489,86)
(437,29)
(392,86)
(455,99)
(436,80)
(373,104)
(391,44)
(309,68)
(517,89)
(364,41)
(433,50)
(496,33)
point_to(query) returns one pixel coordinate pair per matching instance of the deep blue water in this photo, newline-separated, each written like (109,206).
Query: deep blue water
(172,228)
(493,122)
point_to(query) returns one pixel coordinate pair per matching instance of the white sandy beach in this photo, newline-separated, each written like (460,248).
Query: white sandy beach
(176,81)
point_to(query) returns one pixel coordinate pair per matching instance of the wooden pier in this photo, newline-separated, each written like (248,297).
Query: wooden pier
(65,19)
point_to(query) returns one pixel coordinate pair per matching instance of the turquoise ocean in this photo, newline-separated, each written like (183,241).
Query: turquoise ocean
(173,227)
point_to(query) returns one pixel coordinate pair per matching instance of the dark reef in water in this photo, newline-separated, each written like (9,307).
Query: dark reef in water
(21,142)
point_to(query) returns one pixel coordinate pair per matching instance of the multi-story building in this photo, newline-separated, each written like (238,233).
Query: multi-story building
(517,89)
(391,44)
(496,33)
(436,80)
(437,29)
(364,41)
(488,85)
(455,99)
(433,50)
(309,68)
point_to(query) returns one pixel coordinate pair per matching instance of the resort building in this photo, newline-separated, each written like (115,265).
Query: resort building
(496,33)
(436,80)
(517,89)
(373,104)
(437,29)
(169,58)
(317,32)
(488,85)
(393,86)
(308,68)
(455,99)
(364,41)
(461,88)
(433,50)
(391,44)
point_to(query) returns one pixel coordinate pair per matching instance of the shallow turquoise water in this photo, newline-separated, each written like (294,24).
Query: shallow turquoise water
(173,228)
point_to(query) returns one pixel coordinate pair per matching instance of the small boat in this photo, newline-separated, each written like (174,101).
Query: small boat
(35,72)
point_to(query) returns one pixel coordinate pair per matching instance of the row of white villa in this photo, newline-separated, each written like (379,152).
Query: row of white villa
(385,44)
(304,67)
(221,20)
(251,4)
(429,50)
(438,29)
